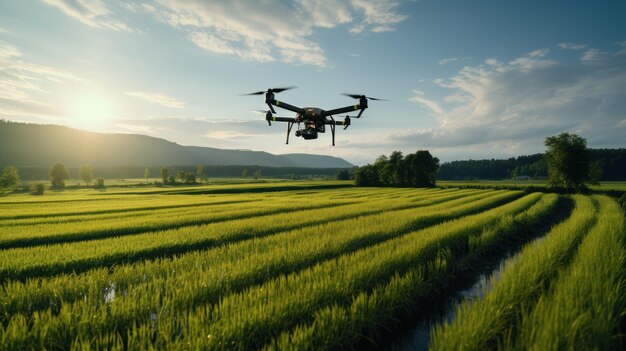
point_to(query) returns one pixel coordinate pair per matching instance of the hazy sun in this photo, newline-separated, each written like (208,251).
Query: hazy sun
(91,111)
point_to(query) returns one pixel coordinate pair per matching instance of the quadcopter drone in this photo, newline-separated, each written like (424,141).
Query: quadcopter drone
(314,119)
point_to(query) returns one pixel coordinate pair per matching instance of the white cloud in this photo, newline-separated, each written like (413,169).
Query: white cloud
(420,99)
(24,83)
(380,15)
(272,30)
(444,61)
(509,108)
(156,98)
(327,14)
(230,134)
(94,13)
(538,53)
(571,46)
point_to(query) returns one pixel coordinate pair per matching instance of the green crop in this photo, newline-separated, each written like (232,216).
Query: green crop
(303,265)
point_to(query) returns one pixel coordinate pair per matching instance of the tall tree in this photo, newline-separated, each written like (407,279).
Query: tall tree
(343,174)
(367,176)
(146,173)
(257,174)
(165,173)
(58,175)
(415,170)
(568,161)
(244,173)
(10,178)
(421,169)
(199,170)
(181,176)
(85,173)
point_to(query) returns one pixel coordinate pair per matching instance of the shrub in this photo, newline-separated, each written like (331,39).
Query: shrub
(37,189)
(100,183)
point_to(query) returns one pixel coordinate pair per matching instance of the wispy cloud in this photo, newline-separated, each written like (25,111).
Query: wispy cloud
(571,46)
(94,13)
(272,30)
(419,98)
(509,108)
(23,83)
(380,16)
(445,61)
(157,98)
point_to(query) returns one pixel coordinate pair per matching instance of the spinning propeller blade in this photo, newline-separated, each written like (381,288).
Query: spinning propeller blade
(358,96)
(271,90)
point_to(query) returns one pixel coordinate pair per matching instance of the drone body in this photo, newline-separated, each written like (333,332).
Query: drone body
(314,119)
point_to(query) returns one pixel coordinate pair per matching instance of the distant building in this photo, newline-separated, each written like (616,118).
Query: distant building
(523,177)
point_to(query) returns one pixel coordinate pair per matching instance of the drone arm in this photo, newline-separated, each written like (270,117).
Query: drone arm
(345,123)
(281,119)
(346,109)
(284,105)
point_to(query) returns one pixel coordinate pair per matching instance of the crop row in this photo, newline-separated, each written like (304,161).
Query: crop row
(79,256)
(495,320)
(584,307)
(94,204)
(344,326)
(250,317)
(256,259)
(116,225)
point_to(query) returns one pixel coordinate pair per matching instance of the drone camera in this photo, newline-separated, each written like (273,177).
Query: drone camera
(308,133)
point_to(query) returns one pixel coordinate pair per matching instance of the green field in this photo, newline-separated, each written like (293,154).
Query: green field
(306,265)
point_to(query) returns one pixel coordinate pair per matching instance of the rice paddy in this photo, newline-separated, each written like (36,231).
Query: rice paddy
(308,266)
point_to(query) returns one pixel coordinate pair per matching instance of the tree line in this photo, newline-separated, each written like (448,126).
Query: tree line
(413,170)
(139,172)
(611,164)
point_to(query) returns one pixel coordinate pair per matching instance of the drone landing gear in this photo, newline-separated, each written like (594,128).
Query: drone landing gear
(332,129)
(289,126)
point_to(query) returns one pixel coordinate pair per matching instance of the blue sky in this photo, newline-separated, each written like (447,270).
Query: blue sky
(465,79)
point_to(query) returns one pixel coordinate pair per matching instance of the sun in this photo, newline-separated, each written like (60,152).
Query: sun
(91,111)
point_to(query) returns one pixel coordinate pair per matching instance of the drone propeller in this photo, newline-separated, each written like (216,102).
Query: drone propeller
(271,90)
(358,96)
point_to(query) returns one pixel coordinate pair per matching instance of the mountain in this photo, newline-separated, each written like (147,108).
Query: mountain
(33,145)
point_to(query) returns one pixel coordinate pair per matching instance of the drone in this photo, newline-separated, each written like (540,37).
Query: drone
(314,119)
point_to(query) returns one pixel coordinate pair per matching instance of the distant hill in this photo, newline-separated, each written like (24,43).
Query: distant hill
(35,145)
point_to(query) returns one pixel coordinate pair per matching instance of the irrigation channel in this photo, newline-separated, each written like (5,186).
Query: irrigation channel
(415,334)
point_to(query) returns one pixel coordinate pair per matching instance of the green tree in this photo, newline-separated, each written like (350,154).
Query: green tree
(420,169)
(343,174)
(146,173)
(100,183)
(181,176)
(37,188)
(367,176)
(165,174)
(85,173)
(58,175)
(244,173)
(190,178)
(10,178)
(568,161)
(199,170)
(257,174)
(391,170)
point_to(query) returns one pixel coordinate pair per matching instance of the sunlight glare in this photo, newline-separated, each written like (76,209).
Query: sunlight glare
(92,111)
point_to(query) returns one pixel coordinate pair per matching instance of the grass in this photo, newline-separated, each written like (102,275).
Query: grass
(298,265)
(487,323)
